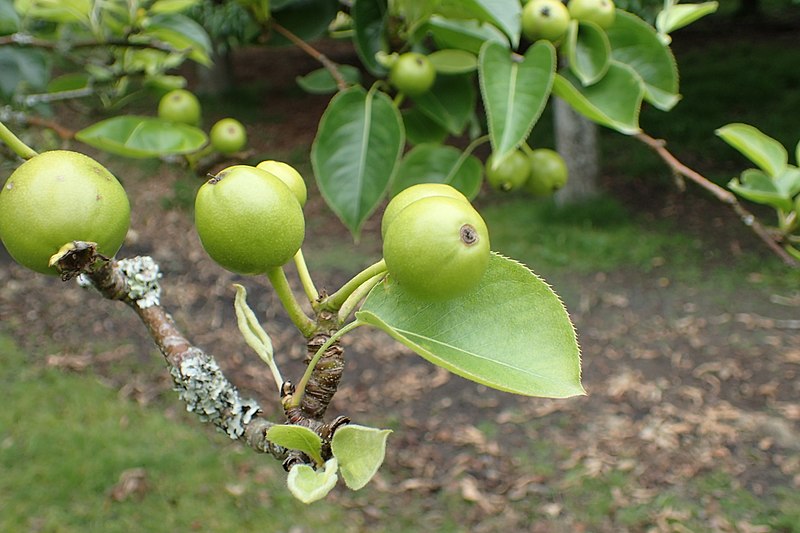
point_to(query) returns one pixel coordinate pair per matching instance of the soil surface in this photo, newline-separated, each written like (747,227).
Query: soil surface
(681,379)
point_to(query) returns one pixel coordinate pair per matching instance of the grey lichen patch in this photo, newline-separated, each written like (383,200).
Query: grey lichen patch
(201,384)
(141,277)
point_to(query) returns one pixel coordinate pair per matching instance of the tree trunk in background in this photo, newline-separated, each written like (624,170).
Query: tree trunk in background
(576,141)
(217,79)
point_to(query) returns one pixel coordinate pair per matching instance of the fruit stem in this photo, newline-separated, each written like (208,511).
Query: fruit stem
(335,301)
(398,99)
(302,322)
(14,142)
(300,390)
(358,295)
(305,277)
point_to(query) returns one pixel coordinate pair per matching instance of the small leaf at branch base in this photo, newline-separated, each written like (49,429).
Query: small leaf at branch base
(254,335)
(453,61)
(757,187)
(360,451)
(299,438)
(309,485)
(511,333)
(761,149)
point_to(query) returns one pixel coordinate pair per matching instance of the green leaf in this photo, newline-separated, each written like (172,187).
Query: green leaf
(761,149)
(68,82)
(677,16)
(9,19)
(180,32)
(514,92)
(636,44)
(789,182)
(321,81)
(466,35)
(453,61)
(309,485)
(307,19)
(797,153)
(420,128)
(504,14)
(355,153)
(298,438)
(450,102)
(58,11)
(360,451)
(369,23)
(614,101)
(511,333)
(430,163)
(172,6)
(588,51)
(142,137)
(757,187)
(22,69)
(254,335)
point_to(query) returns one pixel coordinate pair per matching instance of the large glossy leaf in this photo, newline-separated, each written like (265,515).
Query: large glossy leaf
(22,67)
(308,19)
(59,11)
(430,163)
(420,128)
(360,452)
(514,91)
(321,81)
(9,19)
(757,187)
(450,102)
(355,153)
(466,35)
(761,149)
(503,14)
(512,333)
(181,32)
(309,485)
(142,137)
(677,16)
(369,23)
(636,44)
(588,51)
(614,101)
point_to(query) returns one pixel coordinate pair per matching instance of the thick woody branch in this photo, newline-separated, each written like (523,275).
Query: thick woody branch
(723,195)
(198,379)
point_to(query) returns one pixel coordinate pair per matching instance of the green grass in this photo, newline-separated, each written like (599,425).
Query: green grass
(65,440)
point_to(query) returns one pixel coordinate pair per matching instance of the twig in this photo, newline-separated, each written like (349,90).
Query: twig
(331,66)
(197,376)
(62,131)
(23,39)
(723,195)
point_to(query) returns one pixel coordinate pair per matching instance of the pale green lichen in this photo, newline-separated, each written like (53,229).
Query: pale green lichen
(141,280)
(201,384)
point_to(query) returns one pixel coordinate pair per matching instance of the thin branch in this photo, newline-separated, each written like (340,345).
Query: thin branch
(63,132)
(23,39)
(723,195)
(197,376)
(331,66)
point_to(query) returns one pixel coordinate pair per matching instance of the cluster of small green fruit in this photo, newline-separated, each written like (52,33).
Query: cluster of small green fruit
(227,135)
(249,218)
(549,19)
(541,172)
